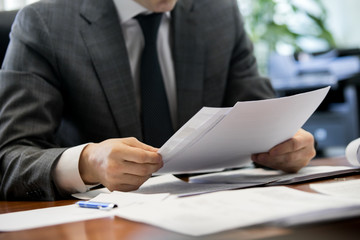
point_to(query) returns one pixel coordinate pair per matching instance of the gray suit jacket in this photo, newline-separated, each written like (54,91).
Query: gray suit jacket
(66,81)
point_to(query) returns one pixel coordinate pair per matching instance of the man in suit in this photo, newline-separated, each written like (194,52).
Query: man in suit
(70,92)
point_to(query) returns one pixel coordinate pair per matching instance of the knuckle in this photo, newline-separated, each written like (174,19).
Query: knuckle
(156,167)
(131,139)
(112,153)
(160,165)
(296,144)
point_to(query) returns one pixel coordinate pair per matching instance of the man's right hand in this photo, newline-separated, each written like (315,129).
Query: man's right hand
(122,164)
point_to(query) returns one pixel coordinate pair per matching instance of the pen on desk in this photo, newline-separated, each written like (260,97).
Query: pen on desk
(96,205)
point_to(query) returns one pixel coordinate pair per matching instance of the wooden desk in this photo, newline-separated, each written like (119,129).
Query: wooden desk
(121,229)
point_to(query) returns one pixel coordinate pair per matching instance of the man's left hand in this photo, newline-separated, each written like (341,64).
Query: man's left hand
(289,156)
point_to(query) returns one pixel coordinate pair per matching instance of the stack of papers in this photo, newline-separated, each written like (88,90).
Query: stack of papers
(71,213)
(273,177)
(43,217)
(201,214)
(218,138)
(220,211)
(345,189)
(234,179)
(172,185)
(198,215)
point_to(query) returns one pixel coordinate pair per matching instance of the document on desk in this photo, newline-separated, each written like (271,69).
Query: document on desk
(90,194)
(348,190)
(72,213)
(215,212)
(345,189)
(170,184)
(218,138)
(48,216)
(272,177)
(314,172)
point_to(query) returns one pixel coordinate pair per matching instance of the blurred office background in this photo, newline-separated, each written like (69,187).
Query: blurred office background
(307,44)
(14,4)
(303,45)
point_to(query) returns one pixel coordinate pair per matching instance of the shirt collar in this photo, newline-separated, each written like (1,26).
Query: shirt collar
(127,9)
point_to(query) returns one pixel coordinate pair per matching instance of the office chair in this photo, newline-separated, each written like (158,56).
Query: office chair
(6,20)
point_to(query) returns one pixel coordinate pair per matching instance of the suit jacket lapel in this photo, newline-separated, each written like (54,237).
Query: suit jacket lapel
(188,54)
(104,40)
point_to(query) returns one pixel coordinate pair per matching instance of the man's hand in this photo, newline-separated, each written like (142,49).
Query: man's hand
(289,156)
(119,164)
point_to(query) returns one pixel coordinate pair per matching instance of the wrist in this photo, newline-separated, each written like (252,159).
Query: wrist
(86,166)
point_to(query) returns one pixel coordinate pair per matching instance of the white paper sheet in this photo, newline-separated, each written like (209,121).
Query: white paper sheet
(220,211)
(228,137)
(193,130)
(344,189)
(48,216)
(126,199)
(90,194)
(71,213)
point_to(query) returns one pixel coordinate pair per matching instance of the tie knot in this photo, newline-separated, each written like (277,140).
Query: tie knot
(149,25)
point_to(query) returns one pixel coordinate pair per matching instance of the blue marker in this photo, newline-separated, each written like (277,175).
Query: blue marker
(96,205)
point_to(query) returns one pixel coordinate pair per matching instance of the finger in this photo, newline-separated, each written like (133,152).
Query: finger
(301,140)
(264,159)
(116,169)
(137,155)
(289,162)
(127,150)
(288,146)
(126,182)
(139,169)
(133,142)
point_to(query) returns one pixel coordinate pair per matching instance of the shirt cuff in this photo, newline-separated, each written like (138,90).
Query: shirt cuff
(66,175)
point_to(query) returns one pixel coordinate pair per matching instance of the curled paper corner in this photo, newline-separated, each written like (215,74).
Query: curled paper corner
(352,152)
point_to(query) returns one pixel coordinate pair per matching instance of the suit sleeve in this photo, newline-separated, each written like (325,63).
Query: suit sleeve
(244,80)
(30,112)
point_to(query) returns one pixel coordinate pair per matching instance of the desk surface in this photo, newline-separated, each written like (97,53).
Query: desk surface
(117,228)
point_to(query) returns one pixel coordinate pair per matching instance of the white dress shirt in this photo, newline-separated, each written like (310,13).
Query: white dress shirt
(66,173)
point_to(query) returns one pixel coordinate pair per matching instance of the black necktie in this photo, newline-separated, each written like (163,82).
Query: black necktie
(156,121)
